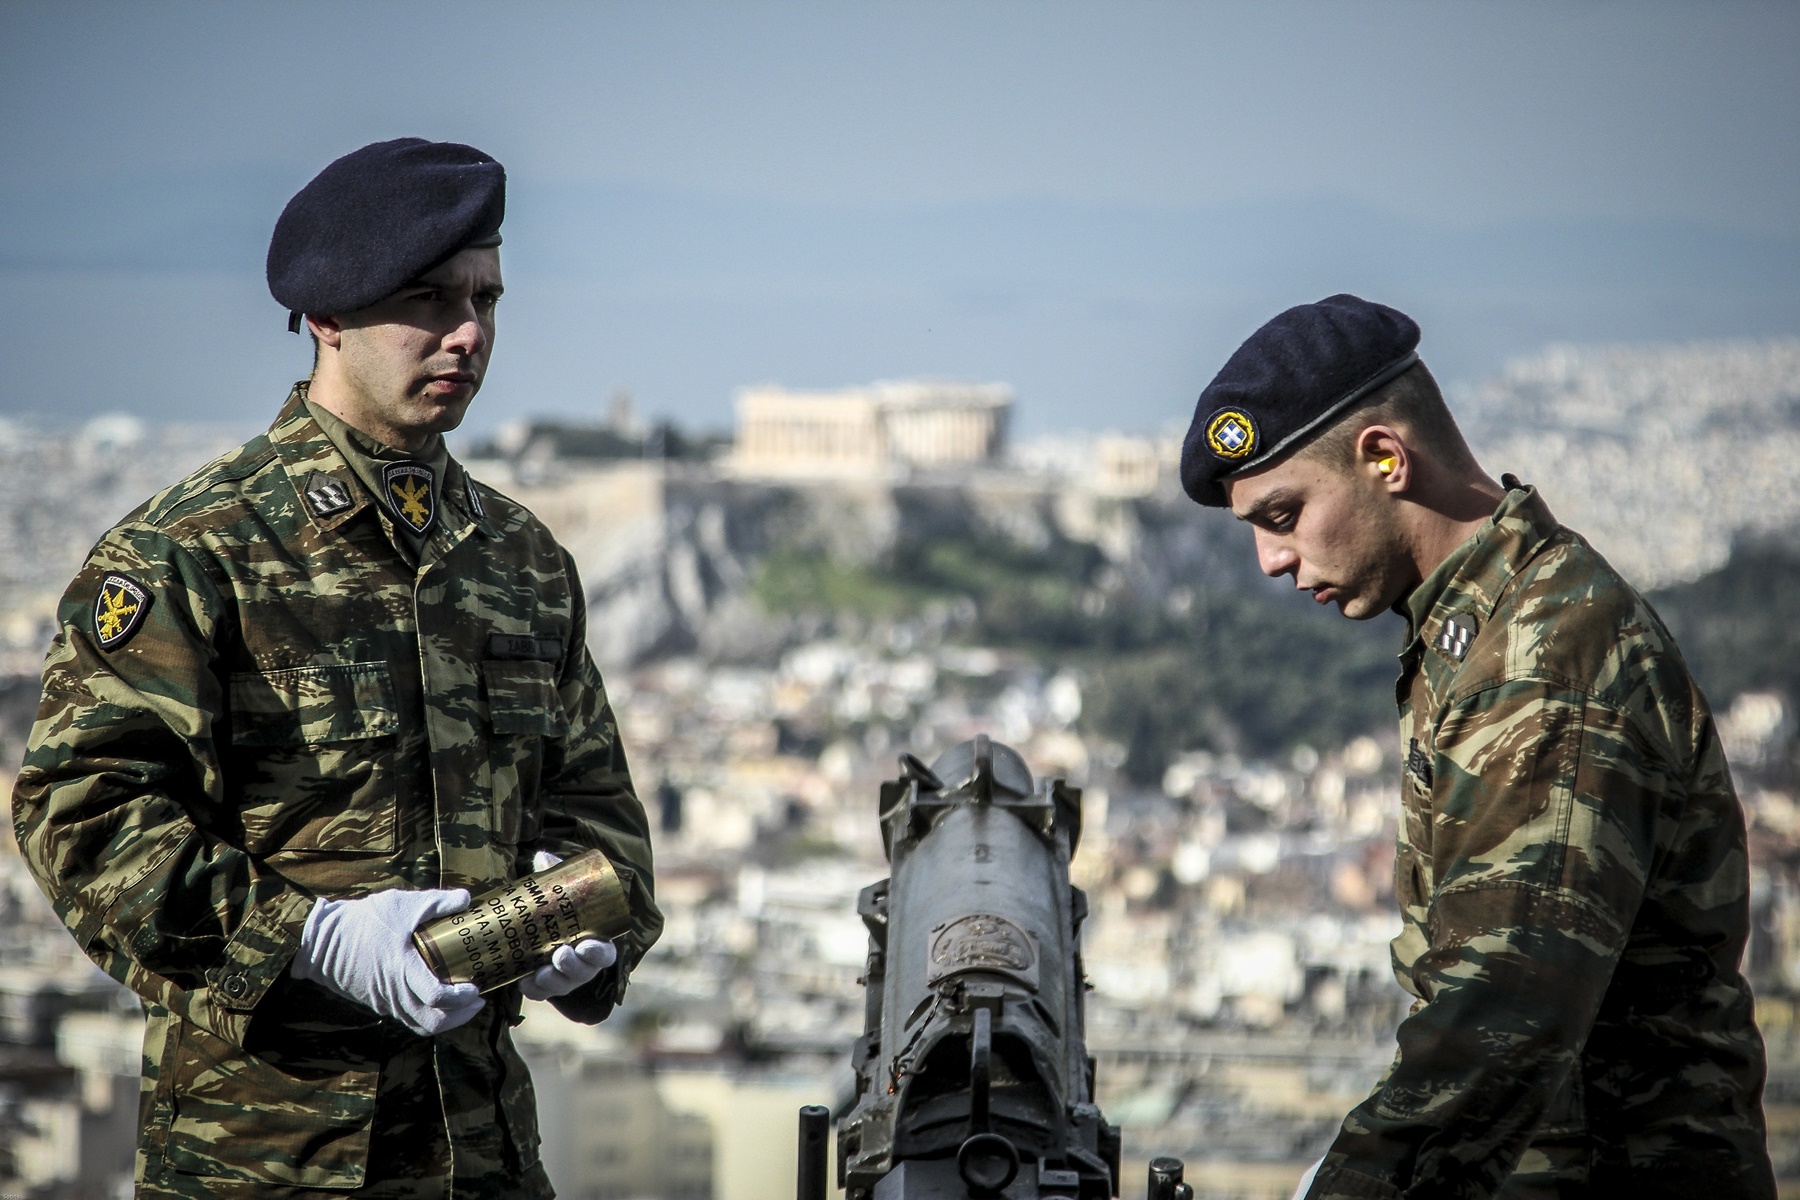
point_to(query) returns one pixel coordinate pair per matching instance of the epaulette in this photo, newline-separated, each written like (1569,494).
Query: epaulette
(230,467)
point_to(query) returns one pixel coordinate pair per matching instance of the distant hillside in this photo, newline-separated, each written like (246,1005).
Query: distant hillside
(1235,666)
(1180,643)
(1660,455)
(1666,457)
(1739,626)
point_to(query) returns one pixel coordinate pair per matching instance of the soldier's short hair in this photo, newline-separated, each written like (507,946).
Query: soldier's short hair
(1411,402)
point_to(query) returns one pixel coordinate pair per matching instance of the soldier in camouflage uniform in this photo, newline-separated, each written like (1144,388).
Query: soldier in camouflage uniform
(320,681)
(1571,867)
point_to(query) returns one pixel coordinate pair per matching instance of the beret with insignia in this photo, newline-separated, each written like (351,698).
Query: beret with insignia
(380,217)
(1287,382)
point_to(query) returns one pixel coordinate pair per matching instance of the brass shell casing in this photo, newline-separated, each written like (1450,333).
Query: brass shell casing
(511,931)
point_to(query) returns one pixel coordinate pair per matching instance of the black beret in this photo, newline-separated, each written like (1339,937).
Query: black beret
(379,217)
(1287,382)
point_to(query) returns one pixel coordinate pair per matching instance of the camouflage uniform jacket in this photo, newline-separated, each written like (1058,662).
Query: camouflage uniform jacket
(255,701)
(1573,884)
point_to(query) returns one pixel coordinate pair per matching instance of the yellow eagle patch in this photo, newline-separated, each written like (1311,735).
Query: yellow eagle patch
(119,610)
(410,495)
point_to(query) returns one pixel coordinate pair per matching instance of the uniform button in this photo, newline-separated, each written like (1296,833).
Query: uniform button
(236,986)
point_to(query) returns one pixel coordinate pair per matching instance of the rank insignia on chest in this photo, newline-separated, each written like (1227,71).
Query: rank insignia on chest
(119,610)
(410,495)
(1454,638)
(325,496)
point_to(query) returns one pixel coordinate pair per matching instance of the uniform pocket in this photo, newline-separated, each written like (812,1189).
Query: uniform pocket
(524,708)
(522,698)
(237,1115)
(313,706)
(313,754)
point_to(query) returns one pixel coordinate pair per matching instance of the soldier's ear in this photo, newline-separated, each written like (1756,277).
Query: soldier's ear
(326,330)
(1383,459)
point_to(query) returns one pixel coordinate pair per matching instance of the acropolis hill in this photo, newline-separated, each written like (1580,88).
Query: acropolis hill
(1661,455)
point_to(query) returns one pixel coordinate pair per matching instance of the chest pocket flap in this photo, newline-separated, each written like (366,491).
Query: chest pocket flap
(312,706)
(522,698)
(314,758)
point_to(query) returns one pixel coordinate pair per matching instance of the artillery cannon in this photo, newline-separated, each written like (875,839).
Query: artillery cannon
(973,1078)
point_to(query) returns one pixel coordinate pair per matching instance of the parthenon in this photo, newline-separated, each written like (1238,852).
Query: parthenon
(875,428)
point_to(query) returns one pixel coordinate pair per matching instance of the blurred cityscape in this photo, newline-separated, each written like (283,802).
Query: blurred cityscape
(850,575)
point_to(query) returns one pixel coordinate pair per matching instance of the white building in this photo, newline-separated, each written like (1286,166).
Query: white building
(854,431)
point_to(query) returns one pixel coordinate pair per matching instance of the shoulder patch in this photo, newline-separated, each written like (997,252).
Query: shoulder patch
(1454,637)
(325,495)
(119,610)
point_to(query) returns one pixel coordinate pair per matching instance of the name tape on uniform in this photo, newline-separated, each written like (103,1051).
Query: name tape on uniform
(522,647)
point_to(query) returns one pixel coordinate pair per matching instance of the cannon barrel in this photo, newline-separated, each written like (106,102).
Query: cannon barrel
(973,1077)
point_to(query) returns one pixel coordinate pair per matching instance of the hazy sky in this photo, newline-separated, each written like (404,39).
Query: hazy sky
(1093,201)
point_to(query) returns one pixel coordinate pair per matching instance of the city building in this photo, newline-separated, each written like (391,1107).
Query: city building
(876,428)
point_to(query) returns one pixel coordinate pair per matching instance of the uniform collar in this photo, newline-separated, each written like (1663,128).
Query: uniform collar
(1471,580)
(461,494)
(325,487)
(314,465)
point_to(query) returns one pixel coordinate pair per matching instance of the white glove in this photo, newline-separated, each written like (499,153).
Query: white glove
(363,949)
(1306,1180)
(570,966)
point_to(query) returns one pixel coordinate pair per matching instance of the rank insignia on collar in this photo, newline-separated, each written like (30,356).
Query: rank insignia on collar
(1455,635)
(325,495)
(475,504)
(119,610)
(409,494)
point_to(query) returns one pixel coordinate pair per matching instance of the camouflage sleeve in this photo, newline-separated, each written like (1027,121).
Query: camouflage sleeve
(588,802)
(1544,808)
(119,762)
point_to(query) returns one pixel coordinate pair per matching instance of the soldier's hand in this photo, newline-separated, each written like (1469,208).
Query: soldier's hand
(363,949)
(569,968)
